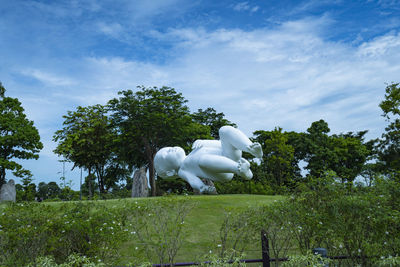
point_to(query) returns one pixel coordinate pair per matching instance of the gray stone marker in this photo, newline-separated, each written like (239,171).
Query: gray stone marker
(7,192)
(139,183)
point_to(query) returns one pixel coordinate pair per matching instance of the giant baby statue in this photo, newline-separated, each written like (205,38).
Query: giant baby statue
(217,160)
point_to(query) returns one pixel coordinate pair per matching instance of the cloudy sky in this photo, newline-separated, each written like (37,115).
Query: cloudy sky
(263,63)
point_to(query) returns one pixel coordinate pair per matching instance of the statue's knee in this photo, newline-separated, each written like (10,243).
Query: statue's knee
(225,130)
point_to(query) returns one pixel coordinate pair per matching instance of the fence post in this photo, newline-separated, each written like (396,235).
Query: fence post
(322,252)
(265,249)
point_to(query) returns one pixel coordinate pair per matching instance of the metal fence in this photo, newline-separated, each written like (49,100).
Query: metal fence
(266,260)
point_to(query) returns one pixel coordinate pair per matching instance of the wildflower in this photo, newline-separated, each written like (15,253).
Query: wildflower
(63,231)
(340,246)
(382,257)
(359,250)
(385,243)
(182,222)
(104,223)
(387,232)
(219,245)
(133,232)
(210,251)
(320,223)
(136,248)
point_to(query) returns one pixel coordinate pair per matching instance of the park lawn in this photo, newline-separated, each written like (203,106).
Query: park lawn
(203,224)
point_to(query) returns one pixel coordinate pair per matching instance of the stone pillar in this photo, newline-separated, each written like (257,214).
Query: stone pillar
(139,183)
(7,192)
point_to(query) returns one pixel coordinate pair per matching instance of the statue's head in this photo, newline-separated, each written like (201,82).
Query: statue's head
(168,160)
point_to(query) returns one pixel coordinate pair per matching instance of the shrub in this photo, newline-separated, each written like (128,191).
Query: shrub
(31,230)
(158,227)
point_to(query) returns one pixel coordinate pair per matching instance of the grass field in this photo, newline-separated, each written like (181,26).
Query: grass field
(202,224)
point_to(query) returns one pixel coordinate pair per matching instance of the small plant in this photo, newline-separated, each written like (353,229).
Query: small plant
(158,227)
(307,260)
(230,258)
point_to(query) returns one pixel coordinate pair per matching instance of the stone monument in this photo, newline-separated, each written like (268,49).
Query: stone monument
(139,183)
(216,160)
(7,191)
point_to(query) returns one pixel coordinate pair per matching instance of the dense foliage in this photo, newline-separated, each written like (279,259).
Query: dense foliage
(19,138)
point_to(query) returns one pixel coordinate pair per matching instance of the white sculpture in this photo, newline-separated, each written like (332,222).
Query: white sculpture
(217,160)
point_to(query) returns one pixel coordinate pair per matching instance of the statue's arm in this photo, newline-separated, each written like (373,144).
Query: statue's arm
(193,180)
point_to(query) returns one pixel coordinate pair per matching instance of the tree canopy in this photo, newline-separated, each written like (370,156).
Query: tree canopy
(149,119)
(19,138)
(88,140)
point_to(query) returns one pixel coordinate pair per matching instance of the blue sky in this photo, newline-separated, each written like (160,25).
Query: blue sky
(263,63)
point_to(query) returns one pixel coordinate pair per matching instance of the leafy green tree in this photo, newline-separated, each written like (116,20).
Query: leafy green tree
(19,138)
(87,139)
(278,158)
(345,154)
(389,154)
(53,190)
(212,119)
(318,150)
(150,119)
(350,153)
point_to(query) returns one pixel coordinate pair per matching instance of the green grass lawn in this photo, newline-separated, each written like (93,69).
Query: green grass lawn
(202,224)
(204,221)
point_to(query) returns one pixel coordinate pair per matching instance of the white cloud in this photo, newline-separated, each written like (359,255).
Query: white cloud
(48,78)
(245,6)
(113,29)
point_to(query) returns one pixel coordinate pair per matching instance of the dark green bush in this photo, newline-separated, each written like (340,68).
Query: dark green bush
(31,230)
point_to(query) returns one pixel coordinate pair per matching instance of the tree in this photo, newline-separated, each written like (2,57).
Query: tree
(277,165)
(318,150)
(389,154)
(345,154)
(19,138)
(150,119)
(212,119)
(88,140)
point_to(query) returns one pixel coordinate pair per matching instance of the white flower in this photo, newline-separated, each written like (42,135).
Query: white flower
(104,223)
(136,248)
(340,246)
(385,243)
(320,223)
(382,257)
(219,245)
(133,232)
(63,231)
(210,251)
(387,232)
(359,250)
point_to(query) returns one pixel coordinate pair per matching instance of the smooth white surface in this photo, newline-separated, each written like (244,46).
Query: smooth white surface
(217,160)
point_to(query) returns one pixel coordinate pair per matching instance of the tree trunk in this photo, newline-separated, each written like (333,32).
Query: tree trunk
(90,183)
(152,178)
(2,176)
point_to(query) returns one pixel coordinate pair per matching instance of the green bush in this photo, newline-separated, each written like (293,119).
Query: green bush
(31,230)
(158,228)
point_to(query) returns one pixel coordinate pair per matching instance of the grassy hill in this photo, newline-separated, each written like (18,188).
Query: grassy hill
(204,221)
(201,225)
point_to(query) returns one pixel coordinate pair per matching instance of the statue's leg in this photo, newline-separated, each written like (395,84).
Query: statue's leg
(193,180)
(234,141)
(221,166)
